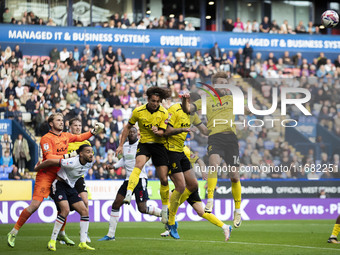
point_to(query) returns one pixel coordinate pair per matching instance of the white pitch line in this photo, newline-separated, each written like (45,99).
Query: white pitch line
(246,243)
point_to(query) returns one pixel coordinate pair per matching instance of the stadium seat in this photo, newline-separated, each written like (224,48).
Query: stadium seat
(26,117)
(43,58)
(3,176)
(134,61)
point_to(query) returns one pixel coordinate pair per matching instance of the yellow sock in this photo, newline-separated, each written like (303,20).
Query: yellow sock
(236,191)
(212,182)
(174,204)
(134,179)
(164,191)
(184,196)
(336,230)
(213,219)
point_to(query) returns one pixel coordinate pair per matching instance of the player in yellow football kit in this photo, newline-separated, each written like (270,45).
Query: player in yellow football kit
(180,169)
(194,159)
(152,120)
(222,142)
(336,230)
(195,201)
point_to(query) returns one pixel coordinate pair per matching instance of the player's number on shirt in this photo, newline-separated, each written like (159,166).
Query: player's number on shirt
(236,159)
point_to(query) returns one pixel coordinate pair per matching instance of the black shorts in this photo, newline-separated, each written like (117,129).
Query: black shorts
(141,190)
(194,198)
(178,162)
(62,191)
(80,185)
(156,151)
(225,145)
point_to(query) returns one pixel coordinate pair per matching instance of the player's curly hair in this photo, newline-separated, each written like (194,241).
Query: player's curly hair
(222,75)
(163,93)
(82,147)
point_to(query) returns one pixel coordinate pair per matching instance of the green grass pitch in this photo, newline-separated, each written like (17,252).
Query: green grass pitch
(253,237)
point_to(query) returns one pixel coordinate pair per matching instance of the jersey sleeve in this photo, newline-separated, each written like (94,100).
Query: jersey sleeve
(164,121)
(134,117)
(47,149)
(120,163)
(172,116)
(79,138)
(196,121)
(67,164)
(198,104)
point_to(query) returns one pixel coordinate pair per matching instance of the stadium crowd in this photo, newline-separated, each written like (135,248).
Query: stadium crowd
(118,20)
(101,84)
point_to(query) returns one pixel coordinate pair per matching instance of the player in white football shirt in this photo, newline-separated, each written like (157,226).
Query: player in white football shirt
(65,195)
(141,193)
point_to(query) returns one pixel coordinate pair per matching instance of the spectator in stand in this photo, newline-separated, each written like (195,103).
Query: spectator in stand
(321,60)
(14,175)
(272,57)
(98,51)
(18,53)
(51,23)
(120,57)
(110,56)
(265,25)
(8,53)
(98,149)
(286,29)
(6,160)
(6,16)
(228,25)
(275,28)
(189,27)
(238,28)
(21,152)
(300,28)
(10,90)
(216,53)
(311,29)
(141,25)
(297,60)
(28,64)
(287,59)
(19,90)
(248,51)
(101,175)
(239,23)
(125,21)
(248,27)
(255,26)
(54,55)
(87,52)
(64,54)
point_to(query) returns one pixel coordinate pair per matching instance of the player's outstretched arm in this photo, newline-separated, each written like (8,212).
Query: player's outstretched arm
(203,129)
(47,163)
(187,107)
(174,131)
(125,133)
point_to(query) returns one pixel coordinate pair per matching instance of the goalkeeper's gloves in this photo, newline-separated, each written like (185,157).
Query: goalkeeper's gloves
(98,128)
(70,155)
